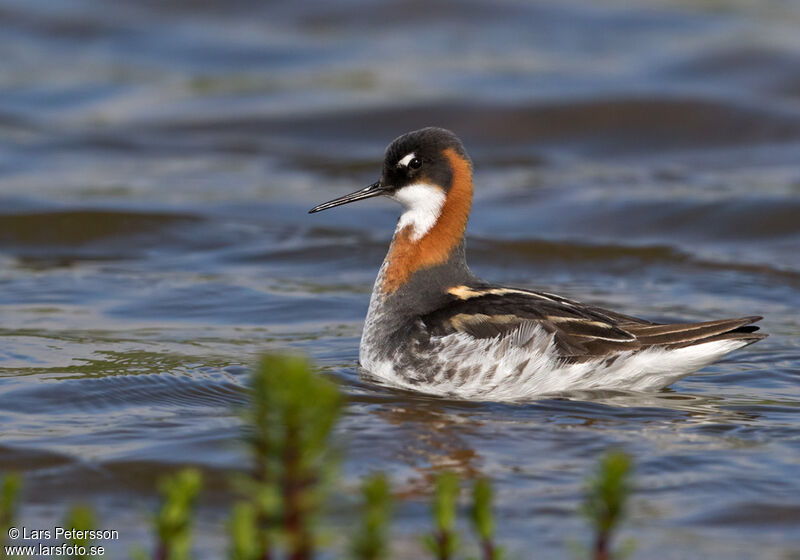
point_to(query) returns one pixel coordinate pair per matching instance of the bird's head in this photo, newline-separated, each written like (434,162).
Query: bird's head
(420,170)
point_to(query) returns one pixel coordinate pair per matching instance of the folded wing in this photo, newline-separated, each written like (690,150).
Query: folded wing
(580,332)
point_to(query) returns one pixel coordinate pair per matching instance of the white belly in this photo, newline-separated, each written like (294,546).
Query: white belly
(461,366)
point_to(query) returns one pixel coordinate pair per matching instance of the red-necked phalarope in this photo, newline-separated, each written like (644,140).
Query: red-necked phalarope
(433,326)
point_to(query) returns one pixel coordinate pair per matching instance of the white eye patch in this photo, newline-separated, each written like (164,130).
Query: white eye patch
(423,203)
(406,159)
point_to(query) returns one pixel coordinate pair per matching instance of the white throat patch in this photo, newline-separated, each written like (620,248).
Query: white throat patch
(423,203)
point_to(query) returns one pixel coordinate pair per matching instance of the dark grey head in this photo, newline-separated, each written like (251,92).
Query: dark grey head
(424,157)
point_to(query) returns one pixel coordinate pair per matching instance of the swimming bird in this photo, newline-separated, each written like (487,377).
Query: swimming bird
(433,326)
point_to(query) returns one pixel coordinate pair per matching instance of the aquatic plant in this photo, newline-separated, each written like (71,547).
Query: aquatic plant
(483,519)
(288,426)
(245,543)
(80,519)
(9,494)
(605,502)
(443,541)
(173,522)
(370,542)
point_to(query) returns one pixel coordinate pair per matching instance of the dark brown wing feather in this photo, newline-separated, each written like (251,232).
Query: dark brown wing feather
(580,331)
(679,335)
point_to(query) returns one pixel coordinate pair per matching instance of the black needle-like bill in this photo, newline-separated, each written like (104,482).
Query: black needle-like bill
(374,189)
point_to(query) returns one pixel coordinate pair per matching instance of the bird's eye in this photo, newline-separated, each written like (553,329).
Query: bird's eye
(415,163)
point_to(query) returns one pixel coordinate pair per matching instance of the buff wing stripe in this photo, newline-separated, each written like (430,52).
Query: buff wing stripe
(680,335)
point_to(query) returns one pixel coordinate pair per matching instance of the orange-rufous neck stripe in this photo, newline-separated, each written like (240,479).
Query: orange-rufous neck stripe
(407,256)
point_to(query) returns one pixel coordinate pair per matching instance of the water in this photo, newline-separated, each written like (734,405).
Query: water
(157,160)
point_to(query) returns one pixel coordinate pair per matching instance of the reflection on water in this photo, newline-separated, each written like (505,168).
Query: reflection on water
(434,441)
(157,160)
